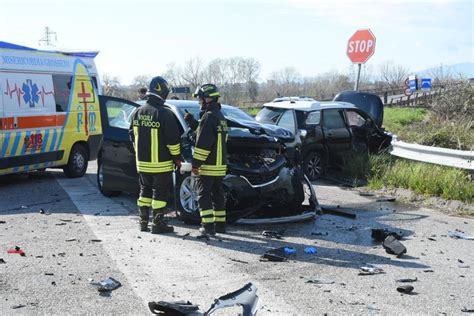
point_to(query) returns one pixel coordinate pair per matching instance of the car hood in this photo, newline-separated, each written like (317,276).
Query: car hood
(256,128)
(367,102)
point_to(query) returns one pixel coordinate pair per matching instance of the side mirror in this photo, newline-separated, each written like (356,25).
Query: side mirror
(303,133)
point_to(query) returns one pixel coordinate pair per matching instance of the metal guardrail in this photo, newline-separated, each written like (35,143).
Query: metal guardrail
(441,156)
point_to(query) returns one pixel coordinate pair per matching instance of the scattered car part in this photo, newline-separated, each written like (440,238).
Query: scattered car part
(107,285)
(275,254)
(2,261)
(459,235)
(467,310)
(370,271)
(172,308)
(381,234)
(273,234)
(310,250)
(385,199)
(407,289)
(16,250)
(245,297)
(336,210)
(393,246)
(320,281)
(407,280)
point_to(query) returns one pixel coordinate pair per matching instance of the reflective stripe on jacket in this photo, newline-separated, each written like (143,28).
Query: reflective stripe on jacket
(156,138)
(210,153)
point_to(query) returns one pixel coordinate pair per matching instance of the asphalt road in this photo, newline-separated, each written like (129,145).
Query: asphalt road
(90,237)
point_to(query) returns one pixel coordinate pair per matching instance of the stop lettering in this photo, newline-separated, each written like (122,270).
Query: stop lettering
(361,46)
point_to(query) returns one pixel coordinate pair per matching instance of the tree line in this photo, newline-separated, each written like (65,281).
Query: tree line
(239,80)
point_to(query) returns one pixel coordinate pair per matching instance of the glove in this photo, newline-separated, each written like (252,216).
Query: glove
(188,117)
(178,163)
(195,170)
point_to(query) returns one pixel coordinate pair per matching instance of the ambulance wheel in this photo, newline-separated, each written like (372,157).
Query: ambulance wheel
(100,182)
(77,165)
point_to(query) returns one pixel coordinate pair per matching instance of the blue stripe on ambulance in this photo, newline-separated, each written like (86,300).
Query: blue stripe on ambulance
(23,149)
(6,140)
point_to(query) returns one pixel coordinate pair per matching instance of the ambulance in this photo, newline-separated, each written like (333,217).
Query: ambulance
(49,110)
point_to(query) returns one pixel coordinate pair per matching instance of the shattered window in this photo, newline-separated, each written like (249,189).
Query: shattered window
(313,118)
(355,119)
(333,119)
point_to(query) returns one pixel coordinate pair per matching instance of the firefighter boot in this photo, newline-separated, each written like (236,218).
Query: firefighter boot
(144,213)
(159,226)
(220,227)
(207,229)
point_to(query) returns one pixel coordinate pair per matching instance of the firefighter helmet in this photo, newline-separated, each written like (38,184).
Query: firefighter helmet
(159,87)
(207,90)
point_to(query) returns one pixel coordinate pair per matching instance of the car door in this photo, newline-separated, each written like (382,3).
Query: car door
(365,134)
(337,135)
(117,158)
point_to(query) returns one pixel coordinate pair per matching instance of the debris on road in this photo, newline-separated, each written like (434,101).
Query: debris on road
(362,193)
(48,273)
(310,250)
(18,306)
(65,220)
(245,297)
(107,285)
(95,240)
(407,289)
(383,198)
(2,261)
(467,310)
(380,234)
(319,233)
(275,255)
(372,307)
(393,246)
(71,239)
(407,280)
(16,250)
(459,235)
(185,235)
(320,281)
(3,222)
(60,224)
(370,271)
(337,210)
(172,308)
(289,250)
(428,270)
(239,261)
(273,234)
(42,211)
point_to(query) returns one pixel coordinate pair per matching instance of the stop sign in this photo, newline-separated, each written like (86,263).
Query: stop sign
(361,46)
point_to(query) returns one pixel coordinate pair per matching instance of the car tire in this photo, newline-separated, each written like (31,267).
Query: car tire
(313,165)
(77,164)
(100,182)
(186,199)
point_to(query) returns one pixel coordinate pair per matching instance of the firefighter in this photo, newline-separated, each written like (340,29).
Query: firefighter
(209,161)
(156,140)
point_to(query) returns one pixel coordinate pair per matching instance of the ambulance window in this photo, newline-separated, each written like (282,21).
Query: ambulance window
(94,80)
(62,87)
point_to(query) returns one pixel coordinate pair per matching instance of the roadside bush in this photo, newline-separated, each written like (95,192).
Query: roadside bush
(456,102)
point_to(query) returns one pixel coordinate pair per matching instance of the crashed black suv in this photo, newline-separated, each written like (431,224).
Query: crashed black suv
(262,178)
(330,131)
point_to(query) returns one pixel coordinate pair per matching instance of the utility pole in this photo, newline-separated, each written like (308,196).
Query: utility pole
(47,40)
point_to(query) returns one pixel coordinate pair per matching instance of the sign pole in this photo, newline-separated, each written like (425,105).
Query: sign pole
(356,88)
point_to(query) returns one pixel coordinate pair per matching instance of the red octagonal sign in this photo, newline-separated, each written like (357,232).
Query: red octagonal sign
(361,46)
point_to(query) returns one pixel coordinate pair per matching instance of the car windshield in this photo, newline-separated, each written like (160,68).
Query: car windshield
(269,115)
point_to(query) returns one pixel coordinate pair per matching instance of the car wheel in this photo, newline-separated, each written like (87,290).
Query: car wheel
(313,165)
(187,199)
(77,164)
(100,182)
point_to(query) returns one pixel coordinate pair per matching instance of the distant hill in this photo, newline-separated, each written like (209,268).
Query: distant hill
(465,69)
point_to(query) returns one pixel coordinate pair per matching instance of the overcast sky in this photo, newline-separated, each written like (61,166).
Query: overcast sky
(141,37)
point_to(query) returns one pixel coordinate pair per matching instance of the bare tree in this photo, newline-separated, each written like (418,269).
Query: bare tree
(141,81)
(193,72)
(393,75)
(111,85)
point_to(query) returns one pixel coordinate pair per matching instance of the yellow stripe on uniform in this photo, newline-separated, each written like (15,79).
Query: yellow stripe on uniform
(156,204)
(202,151)
(154,145)
(206,212)
(219,149)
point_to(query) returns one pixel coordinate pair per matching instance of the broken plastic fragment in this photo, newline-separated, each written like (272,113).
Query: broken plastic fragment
(393,246)
(172,308)
(108,284)
(16,250)
(272,234)
(289,250)
(407,280)
(407,289)
(245,297)
(370,271)
(459,235)
(320,281)
(310,250)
